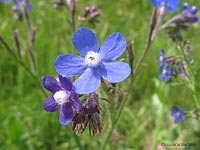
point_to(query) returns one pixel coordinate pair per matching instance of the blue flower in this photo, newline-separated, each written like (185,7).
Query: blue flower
(166,72)
(18,4)
(162,57)
(63,98)
(94,62)
(178,114)
(171,5)
(189,13)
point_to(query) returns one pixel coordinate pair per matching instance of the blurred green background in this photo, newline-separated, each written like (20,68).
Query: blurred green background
(146,117)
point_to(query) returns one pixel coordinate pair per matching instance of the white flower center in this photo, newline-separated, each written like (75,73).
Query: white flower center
(178,114)
(92,59)
(164,71)
(61,97)
(161,58)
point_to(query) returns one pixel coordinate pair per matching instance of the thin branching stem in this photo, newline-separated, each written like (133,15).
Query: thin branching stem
(148,43)
(21,63)
(145,51)
(31,37)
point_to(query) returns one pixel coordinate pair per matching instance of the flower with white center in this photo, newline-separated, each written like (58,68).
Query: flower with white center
(178,114)
(92,59)
(166,72)
(63,97)
(94,62)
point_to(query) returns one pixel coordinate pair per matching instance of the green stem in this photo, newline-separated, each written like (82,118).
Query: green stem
(192,87)
(109,134)
(158,127)
(148,43)
(78,143)
(117,118)
(195,99)
(111,102)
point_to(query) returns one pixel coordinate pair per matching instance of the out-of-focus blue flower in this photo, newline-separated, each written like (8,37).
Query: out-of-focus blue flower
(94,62)
(171,5)
(166,72)
(18,4)
(162,57)
(189,13)
(178,114)
(64,98)
(180,69)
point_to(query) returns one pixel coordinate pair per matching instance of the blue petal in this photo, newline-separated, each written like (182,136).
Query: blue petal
(177,120)
(182,117)
(194,10)
(155,3)
(66,83)
(172,2)
(66,114)
(84,40)
(30,6)
(161,76)
(162,52)
(88,82)
(194,19)
(70,65)
(170,71)
(115,71)
(113,47)
(167,78)
(51,84)
(50,105)
(185,6)
(173,114)
(176,109)
(75,101)
(173,9)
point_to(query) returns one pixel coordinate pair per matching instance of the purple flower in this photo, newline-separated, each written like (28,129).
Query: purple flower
(178,114)
(189,13)
(63,98)
(170,5)
(18,4)
(94,62)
